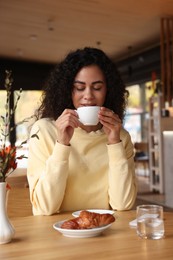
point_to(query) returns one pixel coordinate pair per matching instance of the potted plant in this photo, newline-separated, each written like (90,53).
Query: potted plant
(8,158)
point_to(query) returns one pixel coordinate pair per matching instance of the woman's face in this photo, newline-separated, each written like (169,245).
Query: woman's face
(89,87)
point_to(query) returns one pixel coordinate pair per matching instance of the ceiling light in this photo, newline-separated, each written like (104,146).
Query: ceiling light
(50,25)
(33,37)
(98,43)
(19,52)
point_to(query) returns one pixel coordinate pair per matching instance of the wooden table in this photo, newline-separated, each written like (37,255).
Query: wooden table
(36,239)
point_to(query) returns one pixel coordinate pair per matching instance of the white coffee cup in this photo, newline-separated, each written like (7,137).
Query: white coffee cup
(88,115)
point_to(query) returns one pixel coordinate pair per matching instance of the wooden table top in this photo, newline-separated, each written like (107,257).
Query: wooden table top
(36,238)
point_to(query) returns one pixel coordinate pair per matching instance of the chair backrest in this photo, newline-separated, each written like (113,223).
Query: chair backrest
(141,149)
(142,146)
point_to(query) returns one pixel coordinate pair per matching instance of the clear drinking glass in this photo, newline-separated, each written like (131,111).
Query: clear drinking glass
(150,224)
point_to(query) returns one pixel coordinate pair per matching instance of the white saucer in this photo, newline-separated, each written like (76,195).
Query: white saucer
(100,211)
(80,233)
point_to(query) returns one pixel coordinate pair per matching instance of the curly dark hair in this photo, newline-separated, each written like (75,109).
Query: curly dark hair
(57,93)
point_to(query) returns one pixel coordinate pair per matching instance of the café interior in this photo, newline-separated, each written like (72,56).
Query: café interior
(137,35)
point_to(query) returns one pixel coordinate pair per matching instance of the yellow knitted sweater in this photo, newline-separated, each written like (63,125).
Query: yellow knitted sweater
(87,174)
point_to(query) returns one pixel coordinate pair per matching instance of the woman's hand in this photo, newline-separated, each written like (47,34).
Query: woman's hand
(65,124)
(111,124)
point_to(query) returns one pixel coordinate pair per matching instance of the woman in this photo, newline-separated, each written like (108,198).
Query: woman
(72,166)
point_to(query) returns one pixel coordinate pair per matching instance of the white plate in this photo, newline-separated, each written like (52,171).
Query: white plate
(100,211)
(80,233)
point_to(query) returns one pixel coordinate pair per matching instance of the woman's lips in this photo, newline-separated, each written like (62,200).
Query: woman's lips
(87,105)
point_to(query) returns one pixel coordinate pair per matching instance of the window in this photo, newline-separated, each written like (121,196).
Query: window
(133,113)
(136,119)
(28,103)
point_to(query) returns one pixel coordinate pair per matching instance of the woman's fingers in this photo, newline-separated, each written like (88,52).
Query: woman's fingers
(108,116)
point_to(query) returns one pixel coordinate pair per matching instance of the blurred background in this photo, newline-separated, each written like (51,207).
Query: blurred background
(138,35)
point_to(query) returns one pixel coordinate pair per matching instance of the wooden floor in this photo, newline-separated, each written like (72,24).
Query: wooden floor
(146,196)
(19,204)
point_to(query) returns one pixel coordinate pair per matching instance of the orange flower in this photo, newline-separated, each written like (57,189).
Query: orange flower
(8,187)
(7,160)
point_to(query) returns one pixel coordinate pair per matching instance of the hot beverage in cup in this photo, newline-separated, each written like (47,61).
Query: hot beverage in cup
(88,115)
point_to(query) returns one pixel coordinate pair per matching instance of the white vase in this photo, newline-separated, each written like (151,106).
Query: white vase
(6,229)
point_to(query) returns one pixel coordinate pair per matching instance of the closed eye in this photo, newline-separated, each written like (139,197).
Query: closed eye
(97,86)
(78,87)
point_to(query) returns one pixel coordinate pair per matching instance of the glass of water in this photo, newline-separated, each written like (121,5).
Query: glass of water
(150,224)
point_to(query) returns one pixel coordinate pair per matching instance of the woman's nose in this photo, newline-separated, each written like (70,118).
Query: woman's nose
(88,94)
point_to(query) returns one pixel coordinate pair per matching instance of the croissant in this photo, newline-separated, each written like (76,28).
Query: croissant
(88,220)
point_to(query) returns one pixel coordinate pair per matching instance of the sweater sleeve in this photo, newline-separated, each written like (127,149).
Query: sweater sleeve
(122,181)
(47,170)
